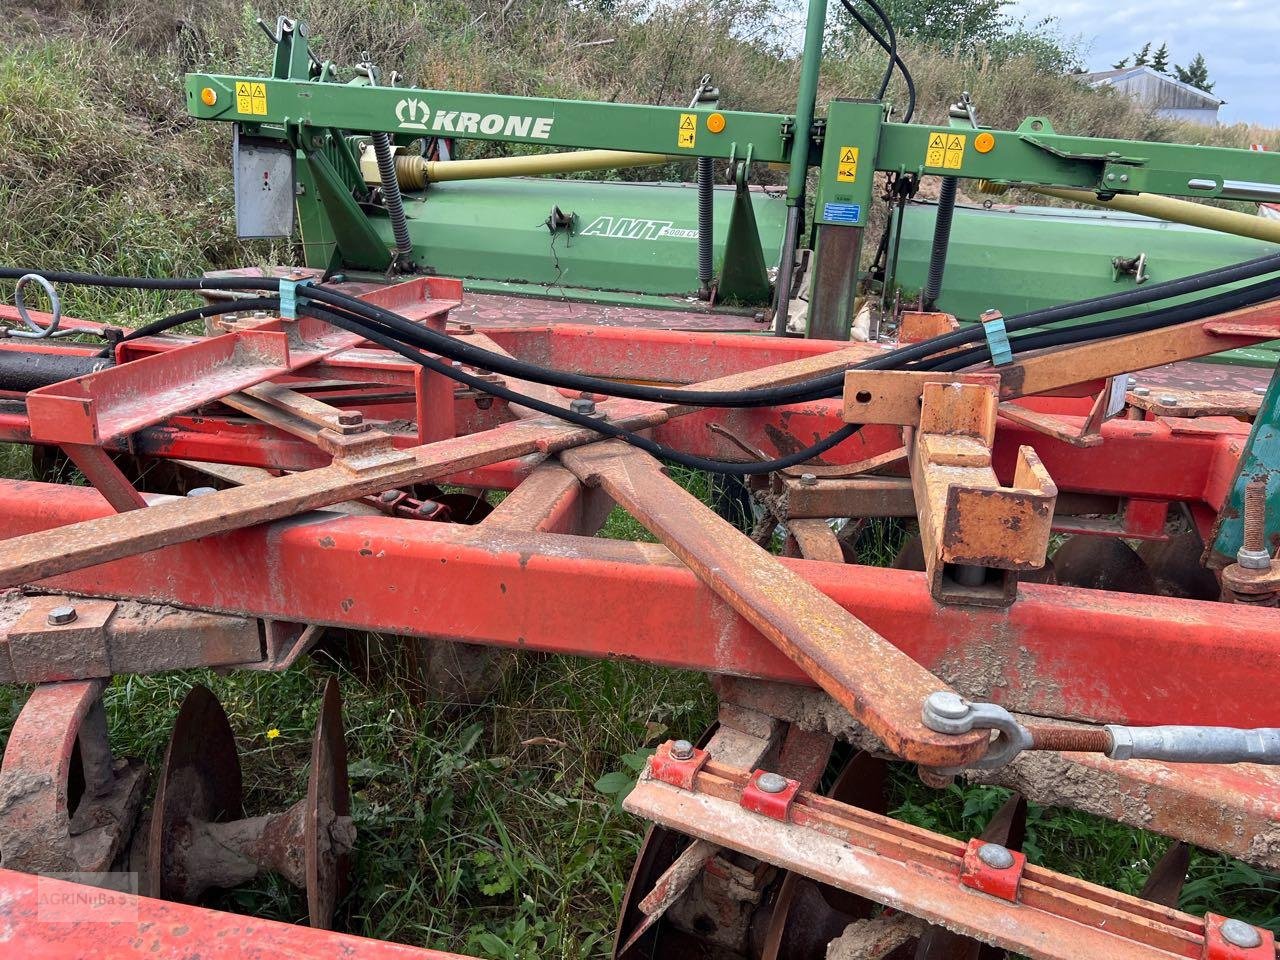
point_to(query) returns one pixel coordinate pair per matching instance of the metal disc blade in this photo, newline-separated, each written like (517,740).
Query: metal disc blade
(328,797)
(200,781)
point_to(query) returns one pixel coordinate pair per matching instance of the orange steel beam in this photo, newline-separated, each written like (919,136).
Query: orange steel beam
(873,680)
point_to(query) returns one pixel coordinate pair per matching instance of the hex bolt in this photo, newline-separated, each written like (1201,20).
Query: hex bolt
(682,750)
(1168,400)
(350,419)
(201,491)
(389,496)
(1131,382)
(1240,934)
(427,507)
(771,782)
(1253,553)
(1260,391)
(584,406)
(61,616)
(995,856)
(1141,391)
(808,480)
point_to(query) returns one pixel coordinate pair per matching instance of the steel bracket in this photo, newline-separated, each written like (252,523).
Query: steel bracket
(1002,882)
(664,766)
(976,532)
(777,805)
(1218,944)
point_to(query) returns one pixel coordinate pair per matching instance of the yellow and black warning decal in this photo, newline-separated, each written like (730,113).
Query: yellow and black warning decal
(687,134)
(847,167)
(945,150)
(251,98)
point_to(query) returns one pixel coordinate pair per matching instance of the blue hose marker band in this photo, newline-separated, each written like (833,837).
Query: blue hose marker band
(289,298)
(997,339)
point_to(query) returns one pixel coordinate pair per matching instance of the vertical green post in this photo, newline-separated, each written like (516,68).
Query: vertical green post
(806,100)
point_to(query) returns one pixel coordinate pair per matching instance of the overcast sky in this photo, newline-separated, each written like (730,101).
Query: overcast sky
(1240,40)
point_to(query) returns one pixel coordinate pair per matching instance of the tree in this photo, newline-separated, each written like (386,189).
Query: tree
(1143,56)
(1195,74)
(1160,62)
(1121,64)
(953,23)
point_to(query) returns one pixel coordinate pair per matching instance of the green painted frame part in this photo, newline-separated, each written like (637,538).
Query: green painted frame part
(357,242)
(486,116)
(1260,460)
(744,277)
(1034,153)
(801,153)
(849,154)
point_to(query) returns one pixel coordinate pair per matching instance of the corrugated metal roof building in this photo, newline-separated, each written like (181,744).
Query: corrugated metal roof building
(1165,95)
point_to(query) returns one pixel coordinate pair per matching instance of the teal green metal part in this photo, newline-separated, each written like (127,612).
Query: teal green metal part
(626,237)
(1027,258)
(1260,460)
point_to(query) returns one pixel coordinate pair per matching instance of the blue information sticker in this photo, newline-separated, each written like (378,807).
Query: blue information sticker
(842,212)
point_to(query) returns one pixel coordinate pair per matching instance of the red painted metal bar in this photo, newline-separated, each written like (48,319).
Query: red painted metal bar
(121,399)
(43,918)
(1057,651)
(1037,913)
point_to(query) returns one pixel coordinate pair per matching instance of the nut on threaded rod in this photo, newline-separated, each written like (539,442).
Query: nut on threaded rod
(1253,553)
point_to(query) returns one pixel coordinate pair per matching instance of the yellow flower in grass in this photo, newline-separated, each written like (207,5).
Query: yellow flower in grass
(272,733)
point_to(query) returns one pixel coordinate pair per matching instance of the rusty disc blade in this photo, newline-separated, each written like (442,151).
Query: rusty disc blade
(658,851)
(328,798)
(808,915)
(1102,563)
(199,782)
(1164,885)
(1175,565)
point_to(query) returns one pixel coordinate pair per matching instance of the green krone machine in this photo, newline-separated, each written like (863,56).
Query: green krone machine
(366,173)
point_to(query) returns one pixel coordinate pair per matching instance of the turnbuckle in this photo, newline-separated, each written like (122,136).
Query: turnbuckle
(947,712)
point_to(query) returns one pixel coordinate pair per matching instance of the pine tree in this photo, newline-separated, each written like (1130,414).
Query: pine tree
(1142,57)
(1195,74)
(1160,62)
(1121,65)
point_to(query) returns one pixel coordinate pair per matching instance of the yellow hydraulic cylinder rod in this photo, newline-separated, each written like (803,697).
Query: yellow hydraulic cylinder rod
(1176,211)
(416,172)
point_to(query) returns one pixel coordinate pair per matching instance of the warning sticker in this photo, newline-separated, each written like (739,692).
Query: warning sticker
(251,98)
(688,131)
(945,150)
(847,169)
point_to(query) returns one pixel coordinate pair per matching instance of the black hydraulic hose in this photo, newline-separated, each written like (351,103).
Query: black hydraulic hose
(890,47)
(1107,303)
(195,313)
(353,324)
(815,388)
(941,240)
(1107,329)
(706,221)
